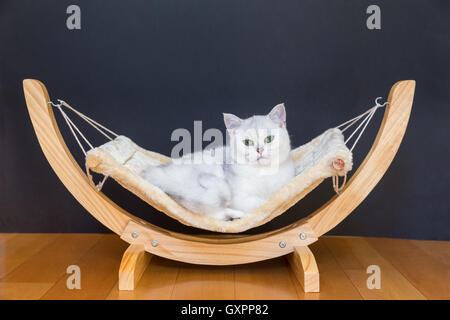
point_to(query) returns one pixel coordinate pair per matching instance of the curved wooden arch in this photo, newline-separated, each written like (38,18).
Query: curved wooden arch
(220,250)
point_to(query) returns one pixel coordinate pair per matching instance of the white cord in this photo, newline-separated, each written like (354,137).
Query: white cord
(92,122)
(72,126)
(367,117)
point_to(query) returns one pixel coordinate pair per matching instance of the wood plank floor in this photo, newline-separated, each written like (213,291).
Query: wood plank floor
(33,266)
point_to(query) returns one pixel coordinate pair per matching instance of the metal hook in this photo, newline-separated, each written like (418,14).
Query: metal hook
(55,105)
(378,104)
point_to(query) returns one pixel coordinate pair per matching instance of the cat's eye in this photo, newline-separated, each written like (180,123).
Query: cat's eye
(248,142)
(268,139)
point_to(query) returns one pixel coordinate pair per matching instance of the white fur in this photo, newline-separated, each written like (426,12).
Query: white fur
(248,175)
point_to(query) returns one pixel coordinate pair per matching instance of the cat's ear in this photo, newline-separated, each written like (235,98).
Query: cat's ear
(278,114)
(231,121)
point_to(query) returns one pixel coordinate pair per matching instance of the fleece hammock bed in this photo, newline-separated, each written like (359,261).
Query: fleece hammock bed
(123,160)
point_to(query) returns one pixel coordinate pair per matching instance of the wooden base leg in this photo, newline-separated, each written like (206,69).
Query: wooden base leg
(304,266)
(134,262)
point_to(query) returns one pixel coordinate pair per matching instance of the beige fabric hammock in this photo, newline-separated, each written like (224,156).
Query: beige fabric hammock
(123,160)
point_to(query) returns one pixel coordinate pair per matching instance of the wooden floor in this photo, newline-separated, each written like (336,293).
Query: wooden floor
(33,266)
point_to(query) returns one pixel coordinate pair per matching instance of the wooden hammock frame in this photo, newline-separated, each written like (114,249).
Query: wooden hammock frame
(146,239)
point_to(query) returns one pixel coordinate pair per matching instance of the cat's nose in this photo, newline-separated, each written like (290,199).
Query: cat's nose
(260,150)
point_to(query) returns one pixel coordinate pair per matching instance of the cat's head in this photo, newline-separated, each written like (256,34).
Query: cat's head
(259,140)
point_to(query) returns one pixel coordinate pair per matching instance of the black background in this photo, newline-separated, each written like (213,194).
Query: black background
(145,68)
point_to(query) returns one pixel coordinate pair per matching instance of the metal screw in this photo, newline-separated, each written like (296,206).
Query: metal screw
(282,244)
(135,235)
(302,236)
(154,243)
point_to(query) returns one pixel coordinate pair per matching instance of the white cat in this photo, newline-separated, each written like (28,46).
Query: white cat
(254,165)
